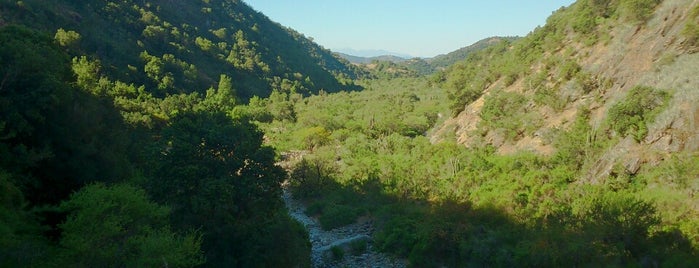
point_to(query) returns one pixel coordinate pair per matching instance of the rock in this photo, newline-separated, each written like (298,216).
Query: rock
(323,241)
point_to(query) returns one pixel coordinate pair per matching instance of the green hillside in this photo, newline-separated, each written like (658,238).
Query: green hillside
(573,146)
(183,47)
(161,133)
(441,62)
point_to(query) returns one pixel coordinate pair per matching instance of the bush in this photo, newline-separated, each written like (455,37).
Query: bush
(631,115)
(358,247)
(337,252)
(338,215)
(638,11)
(691,29)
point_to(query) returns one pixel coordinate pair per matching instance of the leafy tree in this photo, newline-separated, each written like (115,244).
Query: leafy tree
(215,174)
(67,38)
(56,137)
(117,226)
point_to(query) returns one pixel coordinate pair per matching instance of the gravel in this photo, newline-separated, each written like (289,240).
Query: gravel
(321,239)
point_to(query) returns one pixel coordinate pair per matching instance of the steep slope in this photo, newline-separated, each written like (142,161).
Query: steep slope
(184,46)
(593,57)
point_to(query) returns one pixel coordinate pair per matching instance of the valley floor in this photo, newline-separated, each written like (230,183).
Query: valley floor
(323,241)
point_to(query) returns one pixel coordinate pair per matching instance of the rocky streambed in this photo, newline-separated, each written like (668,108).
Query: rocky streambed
(348,246)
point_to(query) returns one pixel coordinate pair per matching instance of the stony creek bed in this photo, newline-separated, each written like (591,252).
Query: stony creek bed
(326,244)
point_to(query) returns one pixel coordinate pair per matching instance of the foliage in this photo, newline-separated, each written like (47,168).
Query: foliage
(62,130)
(51,132)
(446,205)
(631,115)
(184,55)
(507,111)
(691,28)
(131,231)
(216,175)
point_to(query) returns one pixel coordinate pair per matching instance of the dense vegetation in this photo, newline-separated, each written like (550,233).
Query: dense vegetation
(127,143)
(105,164)
(173,48)
(364,156)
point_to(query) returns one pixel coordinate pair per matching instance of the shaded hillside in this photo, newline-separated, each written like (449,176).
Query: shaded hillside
(365,60)
(184,46)
(440,62)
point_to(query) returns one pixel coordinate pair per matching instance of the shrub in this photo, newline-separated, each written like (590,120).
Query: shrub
(631,115)
(637,11)
(337,216)
(358,247)
(337,252)
(691,29)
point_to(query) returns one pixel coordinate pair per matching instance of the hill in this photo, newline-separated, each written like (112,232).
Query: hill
(573,146)
(420,66)
(441,62)
(575,64)
(183,47)
(365,60)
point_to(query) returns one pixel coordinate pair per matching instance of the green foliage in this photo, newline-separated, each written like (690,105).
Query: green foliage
(358,247)
(691,28)
(51,132)
(579,144)
(446,205)
(118,226)
(67,38)
(507,111)
(216,174)
(638,11)
(20,232)
(638,109)
(337,252)
(230,38)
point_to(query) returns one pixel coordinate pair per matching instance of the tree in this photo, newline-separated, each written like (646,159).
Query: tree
(223,98)
(117,226)
(53,137)
(67,38)
(217,176)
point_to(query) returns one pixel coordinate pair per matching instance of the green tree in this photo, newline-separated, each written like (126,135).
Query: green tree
(53,137)
(117,226)
(216,175)
(67,38)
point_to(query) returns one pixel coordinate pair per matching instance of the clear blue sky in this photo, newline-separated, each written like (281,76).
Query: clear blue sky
(420,28)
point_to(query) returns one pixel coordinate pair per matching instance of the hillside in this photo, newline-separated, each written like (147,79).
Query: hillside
(132,135)
(441,62)
(420,66)
(574,146)
(183,47)
(569,66)
(365,60)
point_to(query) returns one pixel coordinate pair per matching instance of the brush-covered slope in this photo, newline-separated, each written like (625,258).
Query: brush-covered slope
(596,58)
(184,46)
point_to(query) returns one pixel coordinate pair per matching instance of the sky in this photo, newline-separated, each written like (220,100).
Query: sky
(419,28)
